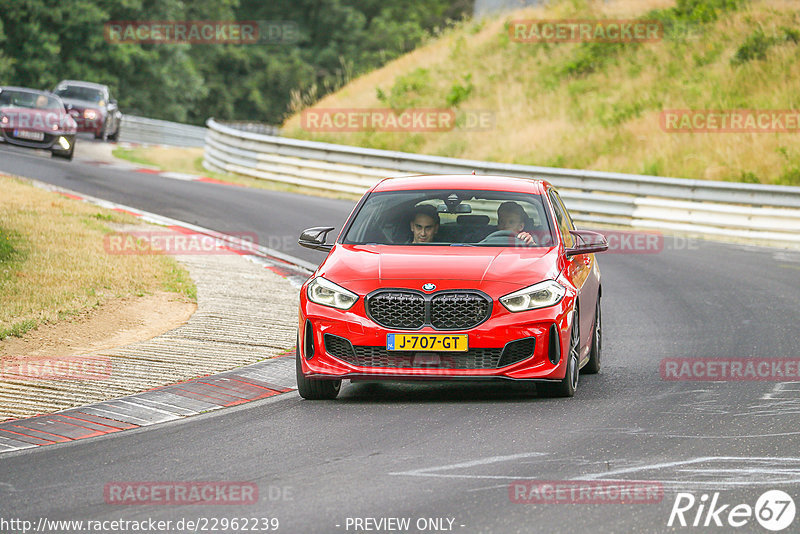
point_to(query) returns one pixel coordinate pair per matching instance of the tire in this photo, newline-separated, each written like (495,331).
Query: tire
(314,389)
(66,155)
(103,135)
(593,365)
(114,137)
(566,387)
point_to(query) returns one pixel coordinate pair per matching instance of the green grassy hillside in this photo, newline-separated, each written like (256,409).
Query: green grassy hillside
(598,105)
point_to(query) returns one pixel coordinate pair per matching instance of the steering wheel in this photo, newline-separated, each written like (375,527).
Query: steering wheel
(501,237)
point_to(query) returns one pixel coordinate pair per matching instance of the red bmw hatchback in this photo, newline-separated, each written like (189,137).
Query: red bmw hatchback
(452,277)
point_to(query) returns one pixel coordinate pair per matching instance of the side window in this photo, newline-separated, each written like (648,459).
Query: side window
(562,217)
(567,216)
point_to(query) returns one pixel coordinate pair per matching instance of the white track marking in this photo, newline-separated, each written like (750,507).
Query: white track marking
(429,471)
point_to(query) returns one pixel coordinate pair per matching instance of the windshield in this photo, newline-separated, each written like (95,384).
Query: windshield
(452,217)
(27,99)
(76,92)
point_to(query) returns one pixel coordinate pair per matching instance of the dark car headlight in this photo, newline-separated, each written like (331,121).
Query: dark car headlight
(541,295)
(326,293)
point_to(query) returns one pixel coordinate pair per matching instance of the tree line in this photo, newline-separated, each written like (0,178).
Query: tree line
(44,41)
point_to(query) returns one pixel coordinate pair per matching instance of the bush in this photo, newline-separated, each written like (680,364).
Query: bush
(754,47)
(458,93)
(757,44)
(789,177)
(406,89)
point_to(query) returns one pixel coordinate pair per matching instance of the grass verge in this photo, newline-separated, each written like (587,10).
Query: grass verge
(53,264)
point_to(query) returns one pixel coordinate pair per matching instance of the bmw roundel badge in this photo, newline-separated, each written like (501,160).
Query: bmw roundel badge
(429,287)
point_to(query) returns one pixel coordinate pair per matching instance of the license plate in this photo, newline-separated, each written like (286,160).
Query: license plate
(427,342)
(26,134)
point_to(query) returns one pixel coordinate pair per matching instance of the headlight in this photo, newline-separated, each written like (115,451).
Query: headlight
(90,114)
(4,120)
(541,295)
(326,293)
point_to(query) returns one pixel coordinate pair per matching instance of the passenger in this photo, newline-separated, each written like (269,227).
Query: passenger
(424,224)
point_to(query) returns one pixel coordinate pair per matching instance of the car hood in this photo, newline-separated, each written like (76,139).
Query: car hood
(81,104)
(36,119)
(399,265)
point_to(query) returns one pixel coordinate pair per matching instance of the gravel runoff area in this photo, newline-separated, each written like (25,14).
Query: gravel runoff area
(245,313)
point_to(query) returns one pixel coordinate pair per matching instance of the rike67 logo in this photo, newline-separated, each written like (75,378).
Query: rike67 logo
(774,510)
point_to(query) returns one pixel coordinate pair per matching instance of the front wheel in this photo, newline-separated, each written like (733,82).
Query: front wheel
(567,386)
(314,389)
(66,155)
(102,134)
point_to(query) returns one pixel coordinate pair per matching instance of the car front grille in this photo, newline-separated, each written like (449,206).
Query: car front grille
(475,358)
(395,309)
(458,311)
(408,310)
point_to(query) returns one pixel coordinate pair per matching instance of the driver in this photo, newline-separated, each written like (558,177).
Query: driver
(511,217)
(424,224)
(41,102)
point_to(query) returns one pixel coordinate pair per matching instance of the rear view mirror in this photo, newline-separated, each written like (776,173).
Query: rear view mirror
(460,208)
(314,238)
(587,242)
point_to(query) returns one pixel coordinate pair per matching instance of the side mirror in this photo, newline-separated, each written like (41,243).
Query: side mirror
(315,238)
(113,102)
(587,242)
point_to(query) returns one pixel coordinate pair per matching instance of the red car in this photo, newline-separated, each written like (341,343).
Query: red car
(452,277)
(36,119)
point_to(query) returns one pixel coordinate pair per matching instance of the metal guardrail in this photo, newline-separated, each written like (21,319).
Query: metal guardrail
(157,132)
(253,127)
(748,212)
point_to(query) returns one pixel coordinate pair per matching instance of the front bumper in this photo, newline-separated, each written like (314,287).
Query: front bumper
(94,126)
(50,141)
(322,329)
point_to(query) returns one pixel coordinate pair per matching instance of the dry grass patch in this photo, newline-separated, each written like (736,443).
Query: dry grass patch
(53,263)
(597,106)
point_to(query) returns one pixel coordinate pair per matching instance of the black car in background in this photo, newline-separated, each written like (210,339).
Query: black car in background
(92,107)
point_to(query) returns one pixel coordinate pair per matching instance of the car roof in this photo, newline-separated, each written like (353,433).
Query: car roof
(28,89)
(463,181)
(82,84)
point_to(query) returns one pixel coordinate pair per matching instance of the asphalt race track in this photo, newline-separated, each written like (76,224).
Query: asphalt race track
(445,455)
